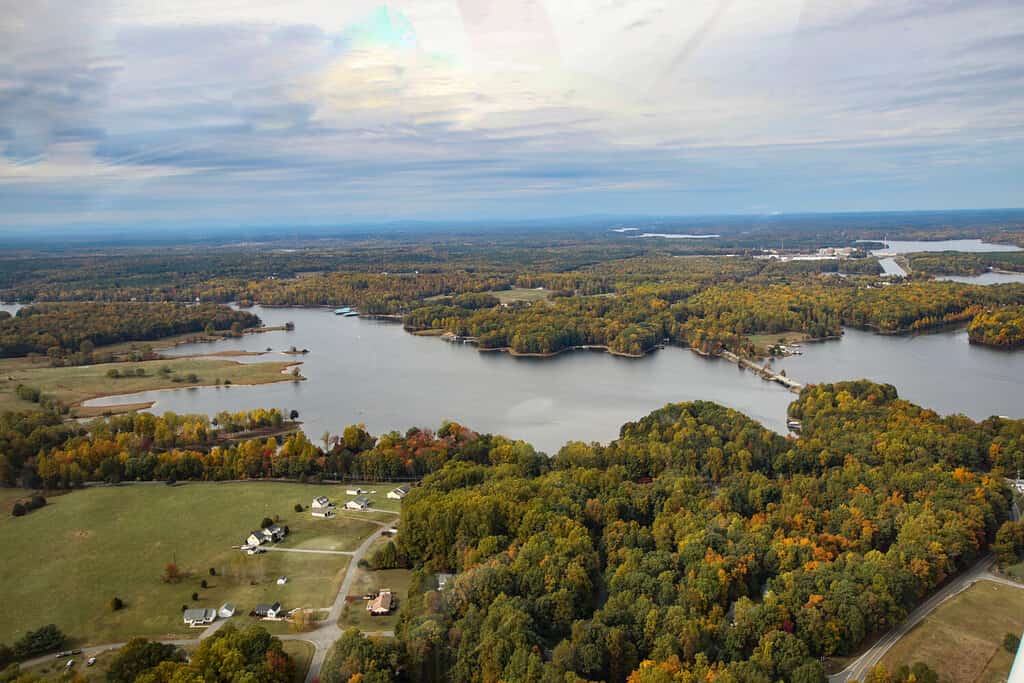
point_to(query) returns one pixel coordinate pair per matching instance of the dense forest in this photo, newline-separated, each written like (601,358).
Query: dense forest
(965,263)
(1003,327)
(71,332)
(697,545)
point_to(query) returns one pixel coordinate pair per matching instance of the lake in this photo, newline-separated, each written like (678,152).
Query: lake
(985,278)
(369,371)
(374,372)
(913,246)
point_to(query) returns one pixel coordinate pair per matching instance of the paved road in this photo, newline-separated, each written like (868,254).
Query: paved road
(275,549)
(860,667)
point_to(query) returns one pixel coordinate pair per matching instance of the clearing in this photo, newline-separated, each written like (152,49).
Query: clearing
(963,639)
(65,561)
(73,385)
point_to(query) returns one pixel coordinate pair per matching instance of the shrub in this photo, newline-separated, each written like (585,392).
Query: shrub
(113,373)
(18,510)
(298,507)
(202,584)
(1011,642)
(116,604)
(195,596)
(171,573)
(213,572)
(45,639)
(36,502)
(267,522)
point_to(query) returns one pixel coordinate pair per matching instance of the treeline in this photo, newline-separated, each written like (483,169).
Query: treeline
(72,331)
(698,546)
(965,263)
(145,447)
(710,316)
(1003,327)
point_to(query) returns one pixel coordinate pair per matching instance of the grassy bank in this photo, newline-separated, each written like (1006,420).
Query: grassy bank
(73,385)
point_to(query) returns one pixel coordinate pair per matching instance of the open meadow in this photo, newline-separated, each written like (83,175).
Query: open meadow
(963,639)
(67,560)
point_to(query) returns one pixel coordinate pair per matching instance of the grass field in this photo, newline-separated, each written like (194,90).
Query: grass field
(64,562)
(72,385)
(1015,571)
(507,296)
(301,653)
(370,581)
(963,639)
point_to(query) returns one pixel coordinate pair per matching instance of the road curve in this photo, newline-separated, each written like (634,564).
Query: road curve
(860,667)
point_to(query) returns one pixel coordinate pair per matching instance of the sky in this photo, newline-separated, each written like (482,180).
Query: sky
(154,114)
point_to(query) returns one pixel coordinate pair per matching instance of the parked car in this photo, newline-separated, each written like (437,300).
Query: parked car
(63,653)
(70,664)
(90,661)
(76,651)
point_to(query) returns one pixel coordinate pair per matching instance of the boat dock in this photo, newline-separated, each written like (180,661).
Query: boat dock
(763,371)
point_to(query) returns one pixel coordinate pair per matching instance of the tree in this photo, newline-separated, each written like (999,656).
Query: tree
(116,604)
(195,596)
(171,573)
(44,639)
(202,584)
(213,572)
(1011,643)
(18,510)
(266,523)
(298,507)
(138,656)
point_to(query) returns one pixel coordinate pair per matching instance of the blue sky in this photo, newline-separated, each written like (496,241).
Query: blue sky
(132,114)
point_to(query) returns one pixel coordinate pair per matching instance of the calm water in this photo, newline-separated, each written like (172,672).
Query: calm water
(912,246)
(374,372)
(985,278)
(941,371)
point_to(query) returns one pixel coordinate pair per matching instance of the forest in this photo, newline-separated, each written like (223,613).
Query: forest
(69,333)
(697,545)
(1002,327)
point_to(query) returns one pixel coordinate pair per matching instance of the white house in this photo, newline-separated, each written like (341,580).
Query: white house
(256,538)
(199,617)
(226,611)
(268,611)
(399,492)
(324,513)
(275,532)
(322,502)
(358,503)
(355,492)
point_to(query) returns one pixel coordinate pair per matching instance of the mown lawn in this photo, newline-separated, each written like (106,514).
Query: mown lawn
(64,562)
(963,639)
(370,581)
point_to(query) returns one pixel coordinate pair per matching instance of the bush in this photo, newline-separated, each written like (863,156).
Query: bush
(171,573)
(298,507)
(138,656)
(1011,643)
(45,639)
(116,604)
(113,373)
(294,415)
(36,502)
(18,510)
(213,572)
(267,522)
(195,596)
(202,584)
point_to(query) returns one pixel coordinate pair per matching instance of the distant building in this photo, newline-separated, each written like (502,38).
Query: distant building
(324,513)
(226,611)
(199,617)
(322,502)
(358,503)
(382,604)
(267,611)
(399,492)
(355,492)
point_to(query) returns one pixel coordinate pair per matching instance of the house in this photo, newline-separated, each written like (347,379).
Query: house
(256,538)
(358,503)
(324,513)
(355,492)
(443,579)
(275,533)
(266,611)
(322,502)
(382,604)
(398,493)
(200,617)
(226,611)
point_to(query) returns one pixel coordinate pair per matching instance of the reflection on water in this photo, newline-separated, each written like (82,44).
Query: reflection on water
(373,372)
(985,278)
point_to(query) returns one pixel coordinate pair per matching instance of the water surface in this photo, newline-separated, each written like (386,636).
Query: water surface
(985,278)
(913,246)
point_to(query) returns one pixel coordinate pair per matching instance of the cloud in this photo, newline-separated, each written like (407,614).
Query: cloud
(266,111)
